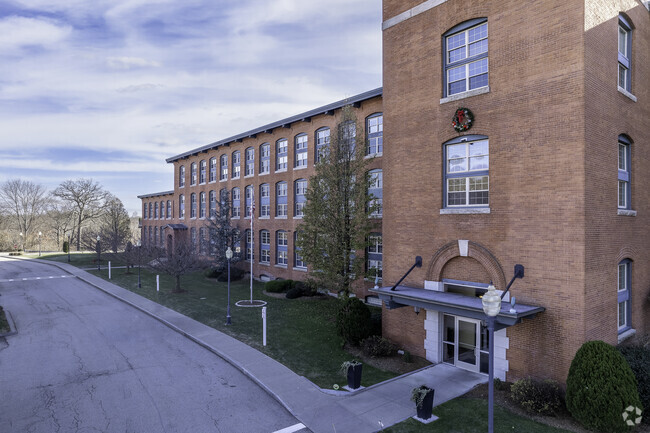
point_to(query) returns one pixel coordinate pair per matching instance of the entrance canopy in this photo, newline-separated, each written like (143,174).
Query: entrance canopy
(453,303)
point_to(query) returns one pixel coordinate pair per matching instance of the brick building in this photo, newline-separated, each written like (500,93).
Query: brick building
(549,174)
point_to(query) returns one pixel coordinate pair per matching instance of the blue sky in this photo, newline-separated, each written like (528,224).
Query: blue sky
(107,89)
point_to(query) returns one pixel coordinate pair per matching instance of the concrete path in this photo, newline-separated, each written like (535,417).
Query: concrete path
(367,410)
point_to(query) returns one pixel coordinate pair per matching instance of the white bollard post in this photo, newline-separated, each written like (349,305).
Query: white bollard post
(109,270)
(157,283)
(264,326)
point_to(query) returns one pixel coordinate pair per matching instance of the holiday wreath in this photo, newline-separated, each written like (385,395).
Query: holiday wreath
(462,120)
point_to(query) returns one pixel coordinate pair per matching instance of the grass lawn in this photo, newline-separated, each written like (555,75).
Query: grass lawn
(301,333)
(469,415)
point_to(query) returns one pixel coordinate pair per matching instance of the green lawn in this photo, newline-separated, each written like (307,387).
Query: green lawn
(301,333)
(469,415)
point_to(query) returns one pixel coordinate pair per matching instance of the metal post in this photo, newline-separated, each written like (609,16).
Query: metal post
(139,283)
(99,257)
(264,326)
(490,322)
(68,248)
(39,244)
(109,270)
(228,319)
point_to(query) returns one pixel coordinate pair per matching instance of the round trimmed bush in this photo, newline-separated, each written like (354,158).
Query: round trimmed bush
(66,246)
(235,275)
(277,286)
(293,293)
(353,320)
(599,387)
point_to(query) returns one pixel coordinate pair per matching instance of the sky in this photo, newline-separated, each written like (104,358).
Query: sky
(108,89)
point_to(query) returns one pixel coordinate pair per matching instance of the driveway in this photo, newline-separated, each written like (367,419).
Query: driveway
(83,361)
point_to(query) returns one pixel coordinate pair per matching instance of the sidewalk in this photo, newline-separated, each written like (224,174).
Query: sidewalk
(367,410)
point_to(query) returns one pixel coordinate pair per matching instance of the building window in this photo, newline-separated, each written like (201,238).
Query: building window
(235,196)
(297,258)
(624,53)
(213,169)
(236,164)
(155,210)
(202,171)
(223,174)
(212,206)
(193,237)
(265,200)
(300,151)
(348,135)
(169,209)
(145,214)
(193,173)
(155,235)
(250,204)
(202,205)
(322,142)
(300,191)
(151,236)
(162,210)
(374,255)
(281,199)
(181,176)
(250,161)
(466,57)
(265,158)
(193,205)
(467,171)
(281,242)
(265,246)
(249,245)
(623,288)
(375,192)
(203,240)
(624,177)
(375,131)
(181,206)
(281,154)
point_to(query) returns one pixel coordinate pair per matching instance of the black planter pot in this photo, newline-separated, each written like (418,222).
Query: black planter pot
(425,409)
(354,376)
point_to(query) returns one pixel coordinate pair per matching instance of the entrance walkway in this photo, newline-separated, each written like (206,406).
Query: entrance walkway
(367,410)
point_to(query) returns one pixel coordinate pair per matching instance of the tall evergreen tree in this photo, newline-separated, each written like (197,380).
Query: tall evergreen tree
(221,233)
(336,221)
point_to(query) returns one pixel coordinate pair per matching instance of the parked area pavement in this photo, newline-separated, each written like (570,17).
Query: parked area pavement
(196,381)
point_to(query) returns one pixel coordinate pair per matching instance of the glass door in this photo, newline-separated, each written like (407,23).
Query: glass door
(467,336)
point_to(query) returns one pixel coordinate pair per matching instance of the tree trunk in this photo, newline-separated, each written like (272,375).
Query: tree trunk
(178,285)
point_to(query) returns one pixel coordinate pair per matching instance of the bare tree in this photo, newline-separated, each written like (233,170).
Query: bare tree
(25,201)
(180,259)
(86,198)
(115,224)
(60,219)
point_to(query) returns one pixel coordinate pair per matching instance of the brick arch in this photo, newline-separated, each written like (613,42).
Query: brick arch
(626,253)
(474,250)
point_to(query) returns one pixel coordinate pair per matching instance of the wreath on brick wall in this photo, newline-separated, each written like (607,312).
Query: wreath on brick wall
(462,120)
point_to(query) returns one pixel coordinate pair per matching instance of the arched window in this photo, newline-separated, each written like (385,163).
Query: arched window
(250,161)
(265,158)
(299,199)
(155,235)
(203,240)
(623,289)
(193,237)
(374,255)
(265,200)
(624,172)
(193,173)
(248,238)
(193,205)
(162,210)
(224,167)
(213,169)
(181,176)
(235,196)
(281,246)
(181,206)
(300,151)
(281,199)
(265,246)
(155,210)
(169,209)
(624,53)
(202,205)
(236,164)
(375,192)
(297,258)
(212,206)
(322,142)
(202,171)
(150,210)
(466,57)
(467,163)
(281,154)
(249,202)
(145,214)
(374,133)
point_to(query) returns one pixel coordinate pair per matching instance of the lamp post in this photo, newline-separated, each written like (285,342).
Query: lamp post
(39,243)
(22,241)
(228,256)
(99,249)
(139,252)
(69,240)
(491,307)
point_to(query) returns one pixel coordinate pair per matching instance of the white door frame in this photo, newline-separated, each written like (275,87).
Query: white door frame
(477,329)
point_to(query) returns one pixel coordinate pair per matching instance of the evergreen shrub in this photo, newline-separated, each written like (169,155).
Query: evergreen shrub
(538,397)
(66,246)
(353,320)
(236,274)
(638,357)
(212,272)
(277,286)
(293,293)
(376,345)
(600,386)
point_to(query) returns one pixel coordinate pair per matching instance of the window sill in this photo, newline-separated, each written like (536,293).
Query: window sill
(626,334)
(300,269)
(297,217)
(223,180)
(213,181)
(265,264)
(281,266)
(373,155)
(265,173)
(201,183)
(626,212)
(281,217)
(282,170)
(300,167)
(464,95)
(248,176)
(465,211)
(234,178)
(626,93)
(234,218)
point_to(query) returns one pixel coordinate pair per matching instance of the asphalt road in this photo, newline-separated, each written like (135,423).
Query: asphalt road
(83,361)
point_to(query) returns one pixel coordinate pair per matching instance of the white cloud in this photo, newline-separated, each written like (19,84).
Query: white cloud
(18,32)
(130,63)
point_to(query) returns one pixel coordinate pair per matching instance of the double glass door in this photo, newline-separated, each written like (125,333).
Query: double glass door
(465,343)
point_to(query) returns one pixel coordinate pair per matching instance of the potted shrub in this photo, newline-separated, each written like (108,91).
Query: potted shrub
(423,398)
(353,371)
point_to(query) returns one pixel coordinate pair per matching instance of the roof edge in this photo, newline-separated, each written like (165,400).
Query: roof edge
(156,194)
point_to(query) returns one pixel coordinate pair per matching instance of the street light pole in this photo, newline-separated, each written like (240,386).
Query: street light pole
(99,255)
(228,256)
(491,306)
(39,243)
(69,240)
(22,242)
(139,251)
